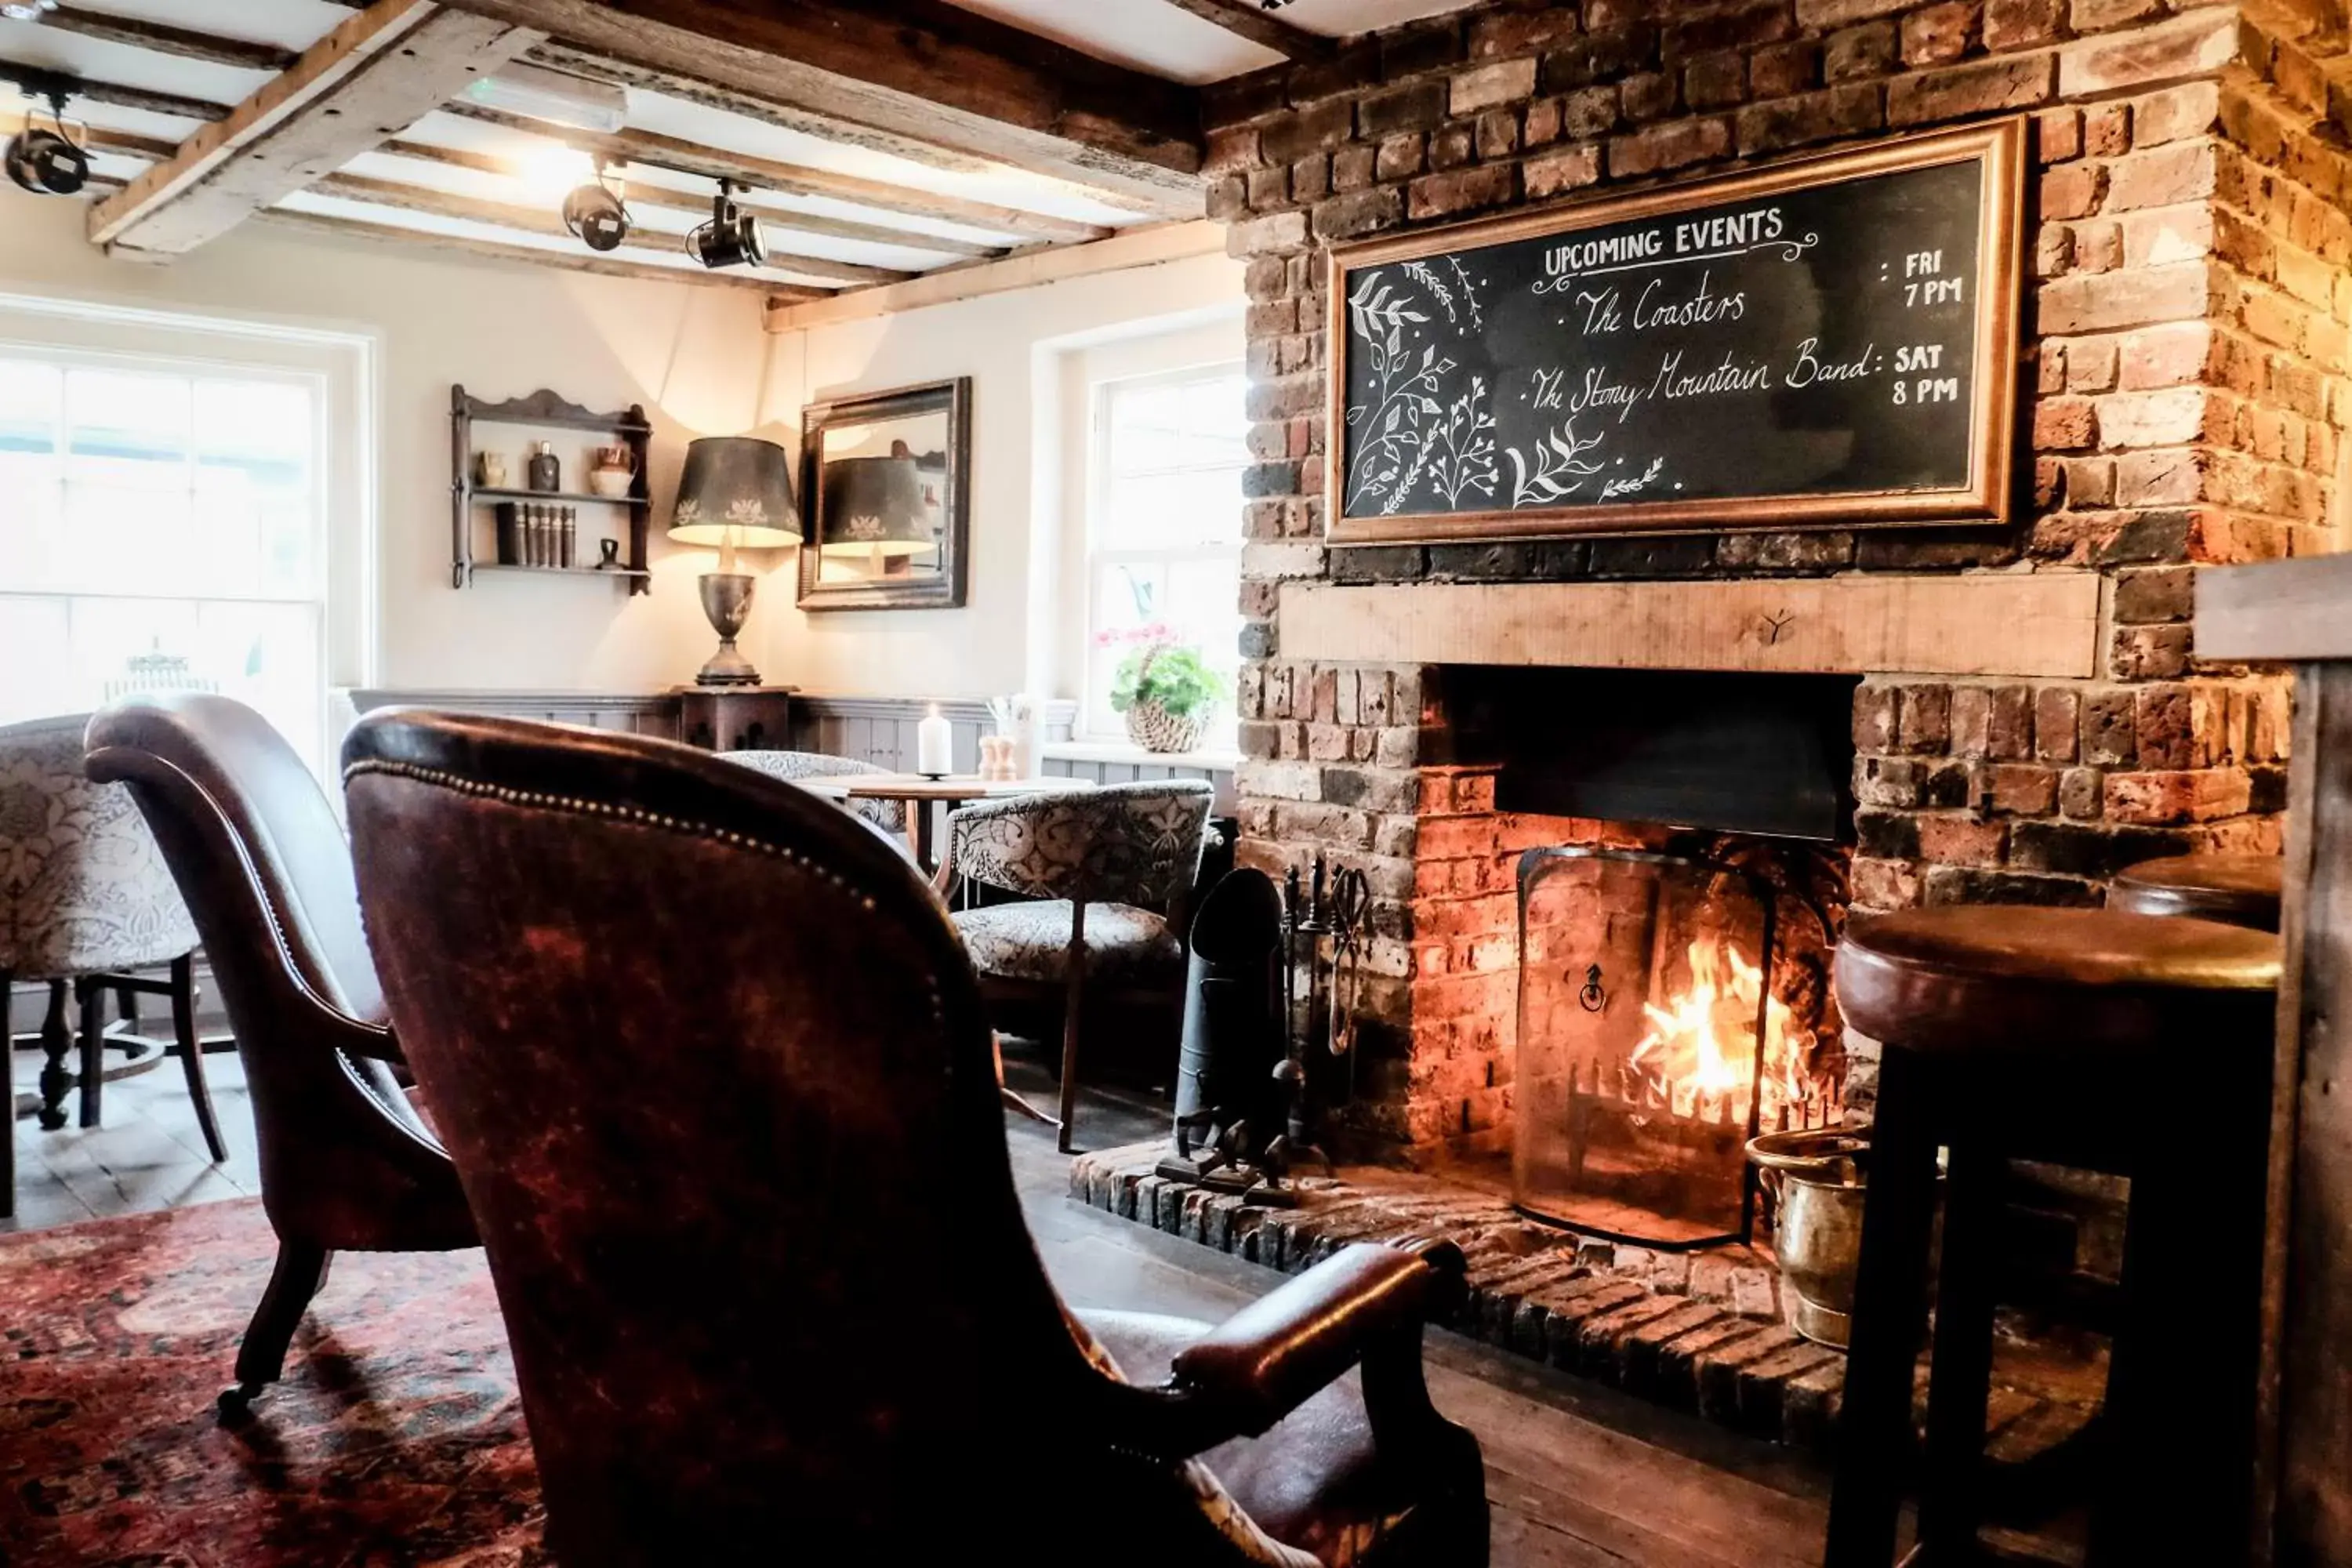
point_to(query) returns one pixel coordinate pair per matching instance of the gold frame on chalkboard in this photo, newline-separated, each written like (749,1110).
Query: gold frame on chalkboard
(1986,497)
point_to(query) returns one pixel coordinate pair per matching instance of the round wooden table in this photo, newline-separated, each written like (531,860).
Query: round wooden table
(917,793)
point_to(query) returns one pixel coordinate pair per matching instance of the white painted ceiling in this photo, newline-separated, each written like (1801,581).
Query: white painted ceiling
(1161,38)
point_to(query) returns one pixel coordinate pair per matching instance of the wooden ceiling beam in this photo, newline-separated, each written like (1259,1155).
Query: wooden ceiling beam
(794,179)
(549,222)
(35,82)
(368,79)
(641,192)
(165,39)
(490,250)
(1260,25)
(922,69)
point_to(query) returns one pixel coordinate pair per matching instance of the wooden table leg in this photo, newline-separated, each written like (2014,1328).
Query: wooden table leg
(1890,1304)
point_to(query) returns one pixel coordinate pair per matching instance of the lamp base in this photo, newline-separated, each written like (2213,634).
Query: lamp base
(727,601)
(728,666)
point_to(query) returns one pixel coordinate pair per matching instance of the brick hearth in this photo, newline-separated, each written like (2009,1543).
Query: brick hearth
(1701,1332)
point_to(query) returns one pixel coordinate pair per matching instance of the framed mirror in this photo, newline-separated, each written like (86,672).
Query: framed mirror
(886,495)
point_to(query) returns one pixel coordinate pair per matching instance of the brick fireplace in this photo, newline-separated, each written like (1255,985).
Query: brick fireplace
(2027,714)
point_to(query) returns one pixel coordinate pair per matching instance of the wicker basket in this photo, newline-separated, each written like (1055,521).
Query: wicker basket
(1155,729)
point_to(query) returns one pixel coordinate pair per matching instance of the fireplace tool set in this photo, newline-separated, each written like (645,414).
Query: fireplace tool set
(1251,1061)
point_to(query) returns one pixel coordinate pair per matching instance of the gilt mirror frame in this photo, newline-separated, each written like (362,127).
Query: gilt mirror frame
(939,589)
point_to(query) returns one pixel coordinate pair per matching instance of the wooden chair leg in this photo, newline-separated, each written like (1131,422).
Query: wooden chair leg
(1075,963)
(1890,1309)
(1959,1384)
(55,1041)
(301,1269)
(93,997)
(191,1049)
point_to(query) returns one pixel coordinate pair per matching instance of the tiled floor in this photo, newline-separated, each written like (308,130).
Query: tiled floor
(1579,1476)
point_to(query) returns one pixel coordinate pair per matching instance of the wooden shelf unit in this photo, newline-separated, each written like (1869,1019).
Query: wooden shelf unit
(545,411)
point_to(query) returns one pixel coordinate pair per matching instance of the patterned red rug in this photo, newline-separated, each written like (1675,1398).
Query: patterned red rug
(395,1439)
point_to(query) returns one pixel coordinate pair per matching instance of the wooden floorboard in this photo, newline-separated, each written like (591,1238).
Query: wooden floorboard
(1579,1476)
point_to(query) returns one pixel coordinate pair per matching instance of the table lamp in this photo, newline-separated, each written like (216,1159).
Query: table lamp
(736,493)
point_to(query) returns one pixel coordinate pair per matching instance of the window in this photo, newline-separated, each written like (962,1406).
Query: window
(1164,527)
(161,527)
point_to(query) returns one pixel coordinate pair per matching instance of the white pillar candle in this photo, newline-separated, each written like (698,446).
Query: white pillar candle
(934,742)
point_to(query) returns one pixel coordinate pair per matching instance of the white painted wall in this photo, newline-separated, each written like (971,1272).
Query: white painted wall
(1018,348)
(695,357)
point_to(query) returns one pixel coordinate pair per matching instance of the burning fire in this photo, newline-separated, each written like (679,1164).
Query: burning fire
(1698,1057)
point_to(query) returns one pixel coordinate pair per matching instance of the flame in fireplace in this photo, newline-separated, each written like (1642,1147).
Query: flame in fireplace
(1701,1044)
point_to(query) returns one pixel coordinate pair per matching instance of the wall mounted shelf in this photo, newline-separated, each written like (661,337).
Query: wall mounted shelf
(544,410)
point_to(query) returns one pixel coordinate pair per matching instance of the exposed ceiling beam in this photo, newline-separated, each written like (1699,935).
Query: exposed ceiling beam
(766,111)
(484,249)
(165,39)
(643,193)
(36,81)
(1259,24)
(368,79)
(918,68)
(794,179)
(1130,247)
(548,221)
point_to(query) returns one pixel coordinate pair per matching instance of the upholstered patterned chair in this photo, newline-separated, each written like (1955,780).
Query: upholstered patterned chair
(1105,870)
(794,766)
(86,899)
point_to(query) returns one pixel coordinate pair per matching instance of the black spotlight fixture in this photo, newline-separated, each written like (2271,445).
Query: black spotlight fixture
(596,215)
(46,162)
(731,237)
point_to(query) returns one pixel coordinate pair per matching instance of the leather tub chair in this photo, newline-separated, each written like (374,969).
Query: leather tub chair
(745,1190)
(346,1163)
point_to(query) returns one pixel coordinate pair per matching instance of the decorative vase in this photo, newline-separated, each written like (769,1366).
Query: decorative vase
(611,482)
(1155,729)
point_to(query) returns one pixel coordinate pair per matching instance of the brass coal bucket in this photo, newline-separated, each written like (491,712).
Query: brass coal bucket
(1816,1179)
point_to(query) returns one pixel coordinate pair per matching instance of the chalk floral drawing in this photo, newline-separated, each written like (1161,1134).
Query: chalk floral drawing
(1633,484)
(1563,464)
(1460,450)
(1388,443)
(1469,292)
(1423,274)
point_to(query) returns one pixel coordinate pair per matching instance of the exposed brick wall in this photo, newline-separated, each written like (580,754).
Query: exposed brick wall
(2182,404)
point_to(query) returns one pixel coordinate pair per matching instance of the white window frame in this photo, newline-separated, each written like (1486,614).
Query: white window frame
(341,368)
(1092,671)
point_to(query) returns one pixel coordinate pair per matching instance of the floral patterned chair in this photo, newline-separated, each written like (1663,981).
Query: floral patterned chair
(794,766)
(1105,869)
(86,900)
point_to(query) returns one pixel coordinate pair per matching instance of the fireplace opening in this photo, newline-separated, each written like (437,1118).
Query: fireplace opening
(1737,753)
(1670,1006)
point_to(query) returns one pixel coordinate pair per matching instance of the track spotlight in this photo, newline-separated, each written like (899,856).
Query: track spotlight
(731,237)
(45,162)
(594,214)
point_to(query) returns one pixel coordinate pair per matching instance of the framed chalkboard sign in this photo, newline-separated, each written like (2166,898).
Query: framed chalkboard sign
(1828,343)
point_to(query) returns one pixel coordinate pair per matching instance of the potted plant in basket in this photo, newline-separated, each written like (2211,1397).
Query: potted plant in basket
(1164,688)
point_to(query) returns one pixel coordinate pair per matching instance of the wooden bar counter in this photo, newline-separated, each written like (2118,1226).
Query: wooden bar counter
(2300,613)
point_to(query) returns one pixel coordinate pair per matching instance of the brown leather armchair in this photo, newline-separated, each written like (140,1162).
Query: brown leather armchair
(717,1075)
(346,1163)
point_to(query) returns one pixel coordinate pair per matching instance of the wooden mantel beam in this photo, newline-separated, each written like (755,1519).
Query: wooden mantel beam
(1260,24)
(367,81)
(920,70)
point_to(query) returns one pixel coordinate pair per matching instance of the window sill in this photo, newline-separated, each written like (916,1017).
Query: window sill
(1121,752)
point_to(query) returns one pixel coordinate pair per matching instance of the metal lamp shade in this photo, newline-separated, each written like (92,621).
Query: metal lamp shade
(883,506)
(736,489)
